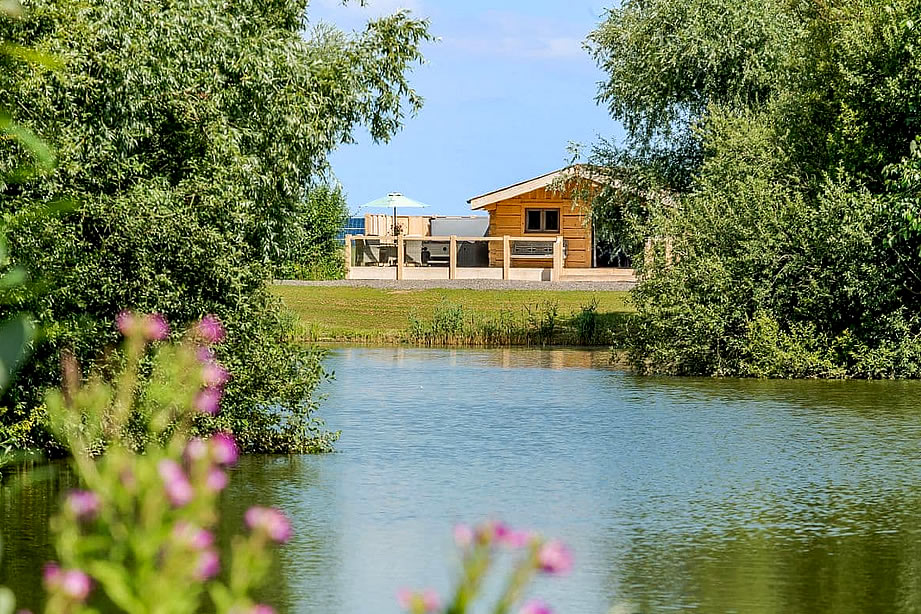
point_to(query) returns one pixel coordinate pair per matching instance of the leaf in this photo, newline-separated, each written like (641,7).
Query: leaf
(15,337)
(29,139)
(112,577)
(7,601)
(16,277)
(31,56)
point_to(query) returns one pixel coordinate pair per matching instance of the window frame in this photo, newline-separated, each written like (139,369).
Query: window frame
(543,220)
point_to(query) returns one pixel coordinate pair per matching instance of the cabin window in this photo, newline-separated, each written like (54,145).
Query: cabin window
(542,220)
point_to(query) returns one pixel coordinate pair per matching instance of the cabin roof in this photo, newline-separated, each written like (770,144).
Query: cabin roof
(523,187)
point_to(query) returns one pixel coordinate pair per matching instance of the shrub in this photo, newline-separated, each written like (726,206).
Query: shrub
(185,176)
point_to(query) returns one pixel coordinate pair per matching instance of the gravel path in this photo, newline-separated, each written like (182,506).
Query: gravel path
(467,284)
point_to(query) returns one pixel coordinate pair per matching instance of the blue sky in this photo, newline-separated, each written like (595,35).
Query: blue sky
(507,88)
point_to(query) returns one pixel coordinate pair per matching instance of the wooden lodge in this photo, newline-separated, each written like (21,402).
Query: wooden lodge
(535,209)
(535,232)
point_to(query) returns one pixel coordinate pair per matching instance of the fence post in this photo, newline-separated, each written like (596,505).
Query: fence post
(506,258)
(401,256)
(452,261)
(348,255)
(557,260)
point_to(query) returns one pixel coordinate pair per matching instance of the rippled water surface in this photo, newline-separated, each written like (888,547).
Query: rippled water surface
(675,494)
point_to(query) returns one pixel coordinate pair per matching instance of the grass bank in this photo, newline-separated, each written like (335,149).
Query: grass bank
(457,317)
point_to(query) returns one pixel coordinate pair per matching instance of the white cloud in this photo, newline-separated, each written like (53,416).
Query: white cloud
(515,35)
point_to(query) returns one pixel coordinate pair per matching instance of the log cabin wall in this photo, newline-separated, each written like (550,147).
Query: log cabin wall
(507,217)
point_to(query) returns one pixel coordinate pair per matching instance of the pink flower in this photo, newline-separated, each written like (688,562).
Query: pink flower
(208,400)
(514,538)
(153,327)
(430,600)
(405,598)
(156,327)
(535,606)
(210,329)
(216,480)
(214,375)
(193,537)
(72,583)
(208,564)
(261,608)
(126,322)
(224,449)
(269,521)
(204,355)
(178,488)
(410,600)
(463,535)
(51,574)
(554,558)
(84,504)
(195,450)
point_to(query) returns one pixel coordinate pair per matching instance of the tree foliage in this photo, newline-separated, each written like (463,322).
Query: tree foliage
(189,134)
(793,222)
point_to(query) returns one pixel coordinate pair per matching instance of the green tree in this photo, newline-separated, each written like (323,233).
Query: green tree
(794,237)
(188,133)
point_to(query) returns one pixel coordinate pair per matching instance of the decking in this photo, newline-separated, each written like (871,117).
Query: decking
(408,258)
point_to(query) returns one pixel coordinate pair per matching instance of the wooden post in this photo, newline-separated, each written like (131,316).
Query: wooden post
(506,258)
(401,256)
(348,255)
(557,274)
(452,261)
(649,255)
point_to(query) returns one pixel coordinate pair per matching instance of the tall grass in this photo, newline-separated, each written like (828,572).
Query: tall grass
(538,324)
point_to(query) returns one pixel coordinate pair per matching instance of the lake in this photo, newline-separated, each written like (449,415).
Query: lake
(674,494)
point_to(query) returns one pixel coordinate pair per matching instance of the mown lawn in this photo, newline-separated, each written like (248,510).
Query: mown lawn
(371,314)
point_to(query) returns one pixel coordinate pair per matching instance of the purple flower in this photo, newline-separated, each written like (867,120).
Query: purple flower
(216,480)
(208,400)
(126,322)
(51,574)
(193,537)
(156,327)
(535,606)
(269,521)
(72,583)
(208,564)
(84,504)
(554,558)
(214,375)
(178,488)
(210,329)
(195,450)
(204,355)
(463,535)
(224,449)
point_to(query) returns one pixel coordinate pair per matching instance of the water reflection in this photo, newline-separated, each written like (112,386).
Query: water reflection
(711,495)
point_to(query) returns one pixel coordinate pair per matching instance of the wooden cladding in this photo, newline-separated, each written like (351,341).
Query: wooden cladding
(510,217)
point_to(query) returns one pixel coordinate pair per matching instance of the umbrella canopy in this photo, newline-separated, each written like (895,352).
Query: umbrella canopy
(394,201)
